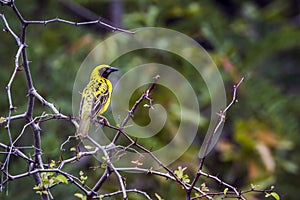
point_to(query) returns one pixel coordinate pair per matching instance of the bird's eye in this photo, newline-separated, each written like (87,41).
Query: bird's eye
(101,71)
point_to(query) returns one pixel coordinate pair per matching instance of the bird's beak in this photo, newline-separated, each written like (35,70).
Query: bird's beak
(112,69)
(107,72)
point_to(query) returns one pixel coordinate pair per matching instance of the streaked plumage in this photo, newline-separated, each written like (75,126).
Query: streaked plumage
(95,98)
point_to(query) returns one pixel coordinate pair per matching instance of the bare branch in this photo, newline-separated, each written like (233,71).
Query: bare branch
(112,167)
(134,107)
(128,191)
(221,120)
(7,28)
(93,22)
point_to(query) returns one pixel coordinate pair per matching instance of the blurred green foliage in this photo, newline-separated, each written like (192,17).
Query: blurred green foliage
(259,39)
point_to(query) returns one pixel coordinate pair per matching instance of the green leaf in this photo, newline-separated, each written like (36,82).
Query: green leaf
(80,196)
(52,164)
(204,188)
(146,106)
(101,197)
(197,194)
(274,195)
(37,187)
(179,172)
(88,147)
(73,149)
(82,177)
(225,191)
(2,119)
(61,178)
(45,192)
(158,197)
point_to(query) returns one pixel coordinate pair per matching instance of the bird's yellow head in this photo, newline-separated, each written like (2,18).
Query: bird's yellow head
(103,71)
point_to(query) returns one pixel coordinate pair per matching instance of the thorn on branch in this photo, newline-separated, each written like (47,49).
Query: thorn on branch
(8,3)
(31,91)
(130,112)
(12,108)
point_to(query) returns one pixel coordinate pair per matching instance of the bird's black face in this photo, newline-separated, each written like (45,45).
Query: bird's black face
(105,71)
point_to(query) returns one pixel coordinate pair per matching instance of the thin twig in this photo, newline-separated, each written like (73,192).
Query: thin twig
(144,149)
(7,28)
(111,166)
(128,191)
(93,22)
(134,107)
(221,120)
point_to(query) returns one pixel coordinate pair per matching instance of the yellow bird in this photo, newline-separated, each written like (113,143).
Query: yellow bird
(95,98)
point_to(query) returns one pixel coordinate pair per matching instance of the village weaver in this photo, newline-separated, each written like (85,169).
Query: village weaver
(95,98)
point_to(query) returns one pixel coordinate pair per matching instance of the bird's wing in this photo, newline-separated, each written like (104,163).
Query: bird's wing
(84,115)
(100,99)
(80,107)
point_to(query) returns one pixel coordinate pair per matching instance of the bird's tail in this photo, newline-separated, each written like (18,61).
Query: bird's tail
(83,128)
